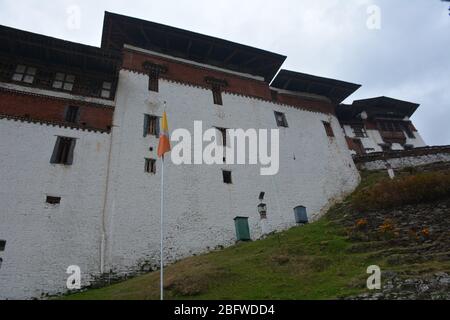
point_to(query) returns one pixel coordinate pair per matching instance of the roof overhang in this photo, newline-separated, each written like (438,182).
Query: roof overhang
(19,44)
(385,107)
(119,30)
(335,90)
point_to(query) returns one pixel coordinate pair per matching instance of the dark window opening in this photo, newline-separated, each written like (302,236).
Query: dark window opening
(408,147)
(150,166)
(24,74)
(227,177)
(72,114)
(153,83)
(328,129)
(53,200)
(217,95)
(281,119)
(63,151)
(2,245)
(359,130)
(151,125)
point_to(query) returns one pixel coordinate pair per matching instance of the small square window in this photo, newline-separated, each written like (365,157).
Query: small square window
(227,177)
(2,245)
(53,200)
(328,129)
(63,81)
(281,119)
(24,74)
(150,166)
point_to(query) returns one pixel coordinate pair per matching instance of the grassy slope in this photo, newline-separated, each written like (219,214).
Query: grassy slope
(311,262)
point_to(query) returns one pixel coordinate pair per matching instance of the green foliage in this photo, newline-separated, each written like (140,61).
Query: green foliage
(403,190)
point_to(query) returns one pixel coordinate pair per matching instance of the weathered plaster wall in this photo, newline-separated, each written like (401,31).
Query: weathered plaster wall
(199,207)
(43,240)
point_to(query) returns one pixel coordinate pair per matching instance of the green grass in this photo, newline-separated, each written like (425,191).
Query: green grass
(301,263)
(316,261)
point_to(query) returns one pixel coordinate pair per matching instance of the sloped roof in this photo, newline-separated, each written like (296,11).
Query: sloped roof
(336,90)
(119,30)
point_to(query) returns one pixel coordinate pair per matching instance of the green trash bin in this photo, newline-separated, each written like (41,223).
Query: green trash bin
(242,229)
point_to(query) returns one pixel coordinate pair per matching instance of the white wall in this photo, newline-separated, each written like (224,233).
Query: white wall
(374,139)
(199,207)
(42,240)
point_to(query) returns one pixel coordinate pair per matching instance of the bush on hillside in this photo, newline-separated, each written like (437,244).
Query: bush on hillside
(403,190)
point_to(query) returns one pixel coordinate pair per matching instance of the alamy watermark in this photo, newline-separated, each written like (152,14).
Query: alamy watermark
(242,147)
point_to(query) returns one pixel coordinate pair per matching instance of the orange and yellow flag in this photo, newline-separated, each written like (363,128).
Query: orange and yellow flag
(164,140)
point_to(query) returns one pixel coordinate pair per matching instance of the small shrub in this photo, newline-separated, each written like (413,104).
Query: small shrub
(419,188)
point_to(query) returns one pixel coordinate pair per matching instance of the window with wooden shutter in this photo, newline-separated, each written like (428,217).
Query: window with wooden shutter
(72,114)
(217,95)
(63,151)
(328,129)
(151,125)
(150,165)
(281,119)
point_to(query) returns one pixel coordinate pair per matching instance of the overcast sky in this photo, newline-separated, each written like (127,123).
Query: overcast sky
(407,58)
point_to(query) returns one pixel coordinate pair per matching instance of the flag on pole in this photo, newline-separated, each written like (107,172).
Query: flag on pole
(164,141)
(163,147)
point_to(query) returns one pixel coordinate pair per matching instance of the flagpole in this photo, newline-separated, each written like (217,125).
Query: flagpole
(162,230)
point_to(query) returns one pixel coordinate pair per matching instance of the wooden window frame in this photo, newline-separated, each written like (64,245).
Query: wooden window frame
(66,80)
(217,95)
(150,165)
(72,114)
(359,130)
(106,90)
(63,151)
(328,129)
(281,122)
(24,76)
(151,125)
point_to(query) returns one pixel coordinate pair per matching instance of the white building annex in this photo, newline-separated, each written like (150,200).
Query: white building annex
(80,178)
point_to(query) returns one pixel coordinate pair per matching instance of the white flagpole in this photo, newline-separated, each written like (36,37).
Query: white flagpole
(162,230)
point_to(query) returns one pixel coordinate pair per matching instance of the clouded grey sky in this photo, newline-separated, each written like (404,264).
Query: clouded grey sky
(408,58)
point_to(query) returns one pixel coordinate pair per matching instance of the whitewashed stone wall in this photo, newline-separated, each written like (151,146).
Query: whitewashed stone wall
(405,162)
(200,208)
(43,240)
